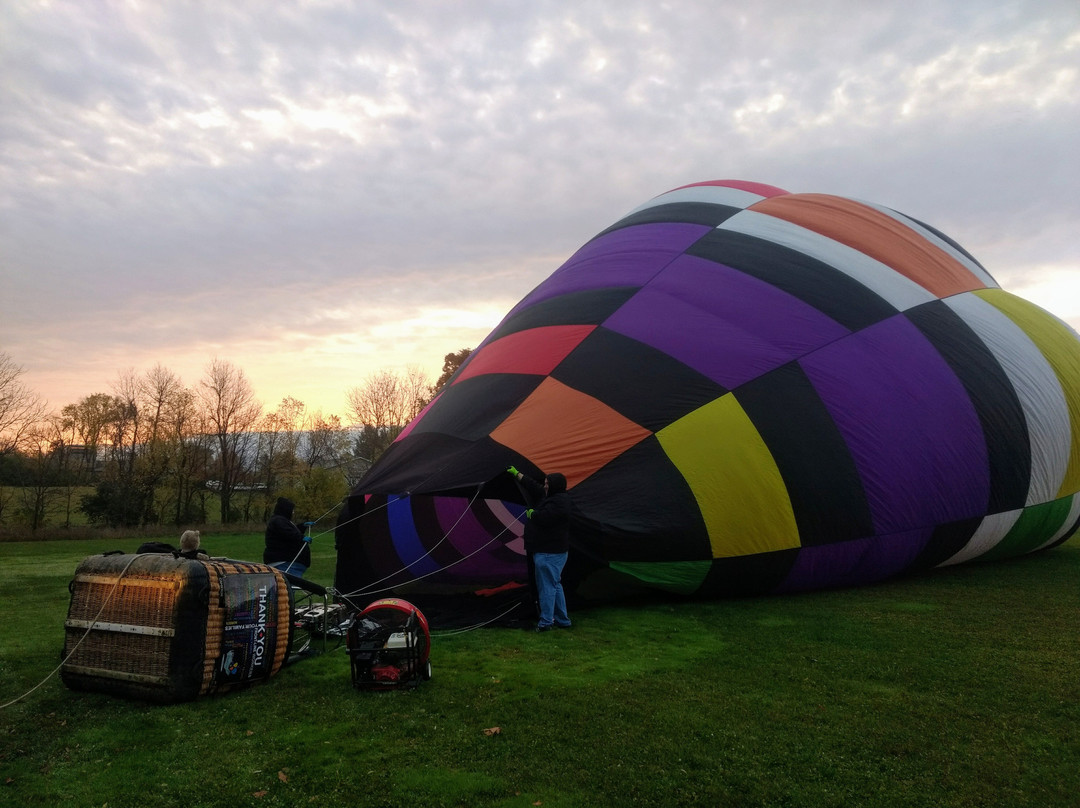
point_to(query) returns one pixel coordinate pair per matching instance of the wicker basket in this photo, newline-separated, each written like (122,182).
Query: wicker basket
(169,629)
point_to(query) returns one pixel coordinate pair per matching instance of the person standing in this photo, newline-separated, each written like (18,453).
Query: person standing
(547,541)
(286,547)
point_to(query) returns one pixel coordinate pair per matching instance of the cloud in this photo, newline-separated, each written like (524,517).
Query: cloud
(341,182)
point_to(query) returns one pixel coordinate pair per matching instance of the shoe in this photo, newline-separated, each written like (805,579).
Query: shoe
(540,629)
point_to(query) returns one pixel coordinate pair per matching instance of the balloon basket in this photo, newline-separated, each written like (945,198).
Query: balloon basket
(165,629)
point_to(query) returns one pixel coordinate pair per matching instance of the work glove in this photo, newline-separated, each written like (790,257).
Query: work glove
(528,513)
(512,471)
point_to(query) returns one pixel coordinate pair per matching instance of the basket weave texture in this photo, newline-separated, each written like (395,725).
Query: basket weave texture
(152,626)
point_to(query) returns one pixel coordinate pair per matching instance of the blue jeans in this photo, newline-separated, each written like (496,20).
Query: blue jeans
(549,567)
(291,568)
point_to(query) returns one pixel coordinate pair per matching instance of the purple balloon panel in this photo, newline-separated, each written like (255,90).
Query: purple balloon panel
(627,257)
(695,305)
(855,562)
(909,424)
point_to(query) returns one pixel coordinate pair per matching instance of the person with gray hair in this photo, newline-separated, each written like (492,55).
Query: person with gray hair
(189,545)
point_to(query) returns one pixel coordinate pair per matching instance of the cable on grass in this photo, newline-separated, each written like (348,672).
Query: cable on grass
(86,634)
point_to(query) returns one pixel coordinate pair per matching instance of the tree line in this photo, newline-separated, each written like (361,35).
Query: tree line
(157,451)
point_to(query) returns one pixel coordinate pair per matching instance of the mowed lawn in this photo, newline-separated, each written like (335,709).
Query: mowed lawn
(956,688)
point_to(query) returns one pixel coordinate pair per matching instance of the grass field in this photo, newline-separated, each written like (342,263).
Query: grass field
(958,688)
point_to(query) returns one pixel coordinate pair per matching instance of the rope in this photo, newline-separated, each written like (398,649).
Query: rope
(358,516)
(332,530)
(365,591)
(332,507)
(417,560)
(475,626)
(86,634)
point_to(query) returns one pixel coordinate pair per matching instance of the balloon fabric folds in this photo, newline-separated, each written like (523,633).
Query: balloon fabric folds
(749,391)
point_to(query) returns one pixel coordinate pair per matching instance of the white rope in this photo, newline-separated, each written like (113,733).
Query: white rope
(475,626)
(358,516)
(74,648)
(332,507)
(417,560)
(365,591)
(334,529)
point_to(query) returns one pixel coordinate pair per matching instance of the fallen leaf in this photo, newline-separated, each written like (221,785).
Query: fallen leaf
(492,731)
(250,732)
(259,793)
(283,777)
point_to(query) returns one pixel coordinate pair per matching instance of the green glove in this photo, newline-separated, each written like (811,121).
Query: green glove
(528,513)
(512,471)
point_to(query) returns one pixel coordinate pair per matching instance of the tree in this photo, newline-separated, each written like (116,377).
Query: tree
(141,446)
(89,420)
(319,492)
(68,465)
(20,408)
(42,485)
(191,458)
(231,412)
(451,363)
(385,404)
(160,392)
(279,439)
(327,444)
(126,440)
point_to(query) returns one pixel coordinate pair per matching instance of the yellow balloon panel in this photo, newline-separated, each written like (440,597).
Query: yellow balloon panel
(727,465)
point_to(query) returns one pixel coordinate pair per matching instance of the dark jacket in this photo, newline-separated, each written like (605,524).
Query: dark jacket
(284,539)
(548,530)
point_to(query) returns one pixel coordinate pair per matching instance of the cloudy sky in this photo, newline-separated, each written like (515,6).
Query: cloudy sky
(315,191)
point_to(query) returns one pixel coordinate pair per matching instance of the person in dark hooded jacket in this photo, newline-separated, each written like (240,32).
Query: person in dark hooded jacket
(286,548)
(547,541)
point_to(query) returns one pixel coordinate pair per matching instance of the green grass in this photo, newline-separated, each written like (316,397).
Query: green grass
(958,688)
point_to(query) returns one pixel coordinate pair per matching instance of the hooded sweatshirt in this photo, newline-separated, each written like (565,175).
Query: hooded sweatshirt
(284,539)
(548,531)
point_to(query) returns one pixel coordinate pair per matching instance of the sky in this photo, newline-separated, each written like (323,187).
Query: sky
(318,191)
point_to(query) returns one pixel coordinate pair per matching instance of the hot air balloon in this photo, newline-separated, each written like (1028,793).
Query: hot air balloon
(749,391)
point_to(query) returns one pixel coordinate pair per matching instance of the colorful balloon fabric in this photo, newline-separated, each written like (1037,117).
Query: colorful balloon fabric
(748,391)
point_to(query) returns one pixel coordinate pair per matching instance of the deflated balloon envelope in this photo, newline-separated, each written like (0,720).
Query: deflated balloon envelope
(748,391)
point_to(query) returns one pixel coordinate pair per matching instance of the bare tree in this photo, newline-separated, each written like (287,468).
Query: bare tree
(327,443)
(159,388)
(68,466)
(231,411)
(20,408)
(127,427)
(385,404)
(160,392)
(41,487)
(190,440)
(279,440)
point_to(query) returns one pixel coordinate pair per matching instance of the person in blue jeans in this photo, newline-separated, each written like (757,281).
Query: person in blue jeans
(547,542)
